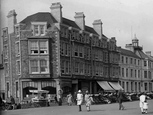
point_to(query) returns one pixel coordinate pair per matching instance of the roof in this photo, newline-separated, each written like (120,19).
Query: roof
(39,17)
(143,55)
(47,17)
(128,53)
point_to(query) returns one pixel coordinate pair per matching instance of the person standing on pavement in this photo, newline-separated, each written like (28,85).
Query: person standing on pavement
(79,99)
(69,99)
(88,101)
(120,99)
(141,103)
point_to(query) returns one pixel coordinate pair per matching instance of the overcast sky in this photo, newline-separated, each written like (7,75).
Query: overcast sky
(121,18)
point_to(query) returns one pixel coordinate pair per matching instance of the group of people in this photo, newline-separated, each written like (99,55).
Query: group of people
(88,101)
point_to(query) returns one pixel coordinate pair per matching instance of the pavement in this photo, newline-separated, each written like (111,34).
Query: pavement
(131,108)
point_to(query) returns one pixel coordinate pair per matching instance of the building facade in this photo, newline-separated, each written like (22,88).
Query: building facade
(136,68)
(46,51)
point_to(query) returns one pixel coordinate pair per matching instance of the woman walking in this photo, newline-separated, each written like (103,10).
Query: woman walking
(79,99)
(69,99)
(120,100)
(88,100)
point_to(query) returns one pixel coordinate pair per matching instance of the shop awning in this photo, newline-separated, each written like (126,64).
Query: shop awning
(105,85)
(116,85)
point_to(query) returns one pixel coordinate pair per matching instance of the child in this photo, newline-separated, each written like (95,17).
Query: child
(145,106)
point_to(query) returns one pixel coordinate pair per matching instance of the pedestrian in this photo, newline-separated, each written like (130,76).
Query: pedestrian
(69,99)
(12,101)
(79,99)
(141,103)
(75,98)
(88,100)
(120,99)
(55,98)
(145,106)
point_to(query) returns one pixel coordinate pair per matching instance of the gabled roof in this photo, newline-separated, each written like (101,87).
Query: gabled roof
(128,53)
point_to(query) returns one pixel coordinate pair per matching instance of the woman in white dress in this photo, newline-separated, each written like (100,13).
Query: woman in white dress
(79,99)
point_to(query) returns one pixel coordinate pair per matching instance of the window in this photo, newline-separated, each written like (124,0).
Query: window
(122,59)
(131,60)
(39,28)
(76,50)
(4,33)
(6,69)
(145,86)
(42,29)
(67,63)
(43,47)
(5,51)
(39,66)
(76,67)
(145,63)
(17,48)
(81,68)
(145,74)
(34,66)
(135,86)
(34,47)
(138,73)
(131,72)
(8,89)
(126,72)
(43,66)
(126,60)
(67,49)
(127,86)
(138,62)
(122,72)
(135,73)
(38,47)
(17,89)
(18,67)
(81,51)
(62,67)
(135,61)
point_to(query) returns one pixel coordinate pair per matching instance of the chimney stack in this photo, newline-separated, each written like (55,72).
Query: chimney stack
(80,20)
(148,53)
(56,11)
(97,25)
(11,21)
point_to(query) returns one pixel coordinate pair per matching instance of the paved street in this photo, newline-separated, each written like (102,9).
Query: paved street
(131,108)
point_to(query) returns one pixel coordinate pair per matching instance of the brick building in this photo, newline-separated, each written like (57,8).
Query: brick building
(47,51)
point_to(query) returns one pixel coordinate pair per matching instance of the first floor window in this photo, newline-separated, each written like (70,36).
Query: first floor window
(18,67)
(43,66)
(17,89)
(8,89)
(34,66)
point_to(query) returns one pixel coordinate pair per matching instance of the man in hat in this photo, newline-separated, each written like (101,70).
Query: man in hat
(79,99)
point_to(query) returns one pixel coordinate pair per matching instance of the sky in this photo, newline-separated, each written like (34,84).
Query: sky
(121,18)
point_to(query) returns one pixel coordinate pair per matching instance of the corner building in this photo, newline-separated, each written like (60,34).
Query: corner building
(46,51)
(136,68)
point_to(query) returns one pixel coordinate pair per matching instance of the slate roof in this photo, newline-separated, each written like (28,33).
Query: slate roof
(47,17)
(143,55)
(39,17)
(128,53)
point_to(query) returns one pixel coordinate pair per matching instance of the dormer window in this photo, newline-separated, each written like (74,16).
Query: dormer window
(39,28)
